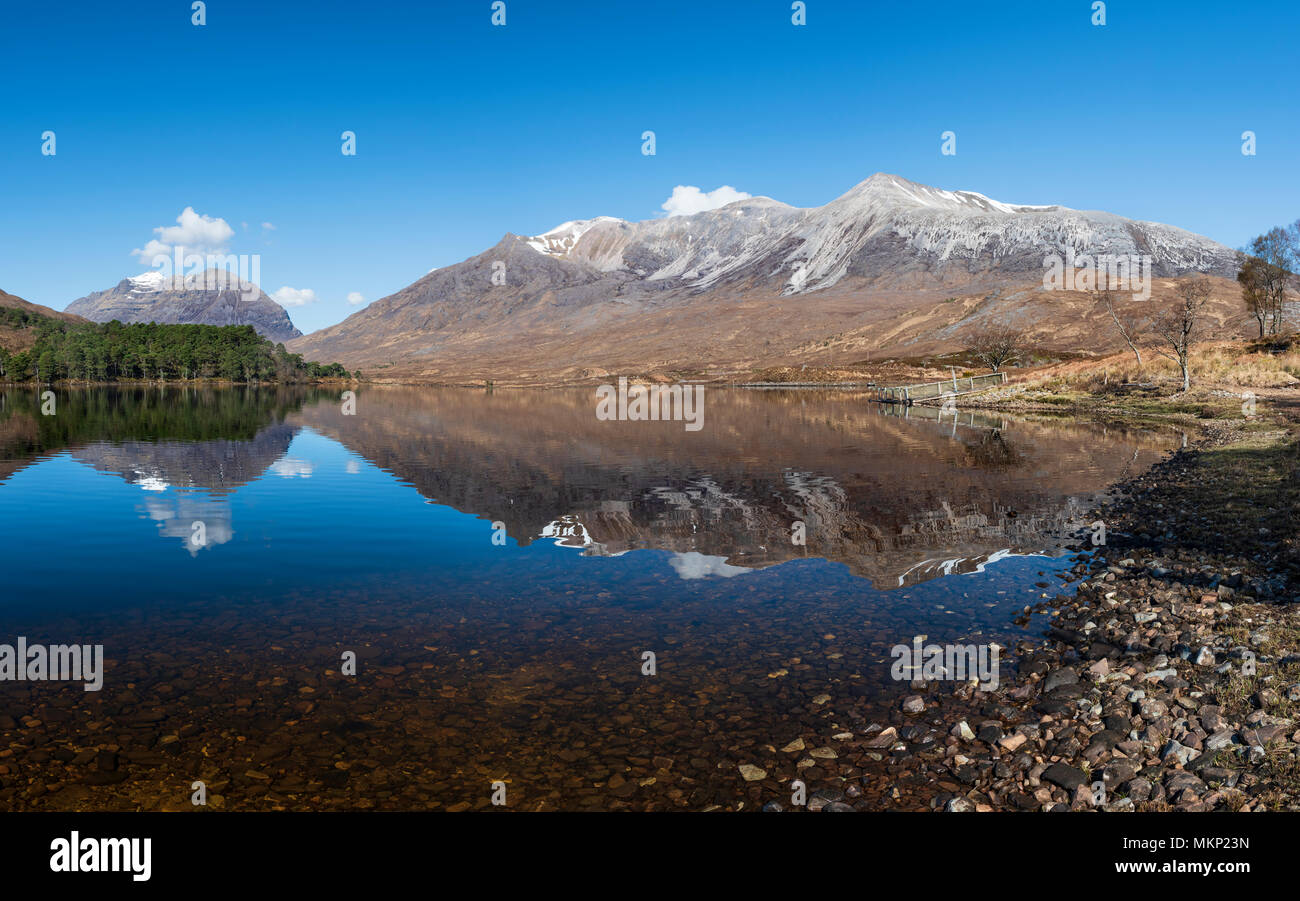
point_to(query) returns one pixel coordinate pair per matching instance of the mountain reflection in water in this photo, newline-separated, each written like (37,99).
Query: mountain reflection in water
(898,495)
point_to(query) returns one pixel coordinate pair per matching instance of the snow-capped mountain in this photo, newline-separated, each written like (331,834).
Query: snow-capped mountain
(754,283)
(211,298)
(881,231)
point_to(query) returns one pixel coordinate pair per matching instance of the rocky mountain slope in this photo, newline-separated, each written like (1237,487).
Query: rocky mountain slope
(889,267)
(195,300)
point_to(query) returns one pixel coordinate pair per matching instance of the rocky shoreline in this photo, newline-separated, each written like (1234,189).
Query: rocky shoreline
(1167,680)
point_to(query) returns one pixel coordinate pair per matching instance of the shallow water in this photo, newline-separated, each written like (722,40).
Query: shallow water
(500,562)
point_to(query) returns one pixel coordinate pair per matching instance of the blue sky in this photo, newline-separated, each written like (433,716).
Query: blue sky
(466,131)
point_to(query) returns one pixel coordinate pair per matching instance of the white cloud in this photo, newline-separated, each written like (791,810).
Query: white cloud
(153,249)
(177,513)
(293,297)
(266,226)
(355,298)
(688,199)
(193,231)
(293,468)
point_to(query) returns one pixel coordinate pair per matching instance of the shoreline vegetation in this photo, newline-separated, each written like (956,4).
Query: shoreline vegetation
(38,349)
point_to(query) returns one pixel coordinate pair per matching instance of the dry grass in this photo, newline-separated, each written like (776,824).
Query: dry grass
(1220,363)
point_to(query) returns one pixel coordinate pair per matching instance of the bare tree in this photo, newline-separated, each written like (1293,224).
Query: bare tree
(996,346)
(1272,253)
(1253,291)
(1176,325)
(1130,323)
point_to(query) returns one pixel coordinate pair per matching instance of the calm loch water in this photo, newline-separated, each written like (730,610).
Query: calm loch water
(499,563)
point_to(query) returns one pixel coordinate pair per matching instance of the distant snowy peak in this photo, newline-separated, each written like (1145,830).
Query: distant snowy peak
(561,239)
(210,280)
(147,282)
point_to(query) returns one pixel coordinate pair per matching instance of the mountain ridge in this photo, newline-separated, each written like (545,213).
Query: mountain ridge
(752,283)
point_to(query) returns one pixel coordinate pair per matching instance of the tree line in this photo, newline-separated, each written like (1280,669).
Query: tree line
(149,351)
(200,411)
